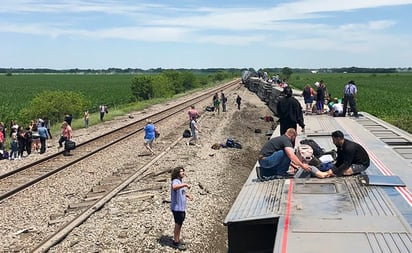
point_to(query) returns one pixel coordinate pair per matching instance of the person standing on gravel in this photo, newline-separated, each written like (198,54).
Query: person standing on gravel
(86,119)
(103,110)
(195,129)
(193,114)
(238,101)
(66,134)
(178,195)
(149,135)
(224,100)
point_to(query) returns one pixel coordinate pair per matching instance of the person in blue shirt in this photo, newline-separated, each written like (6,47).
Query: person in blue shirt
(42,130)
(149,135)
(349,97)
(178,195)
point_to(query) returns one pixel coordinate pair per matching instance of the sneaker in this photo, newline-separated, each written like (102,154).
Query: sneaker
(179,246)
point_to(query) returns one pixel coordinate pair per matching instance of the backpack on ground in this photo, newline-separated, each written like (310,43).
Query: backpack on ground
(210,108)
(187,133)
(317,150)
(230,143)
(6,154)
(305,153)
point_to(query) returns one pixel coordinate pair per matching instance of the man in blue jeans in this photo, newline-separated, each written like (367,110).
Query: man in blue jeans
(276,156)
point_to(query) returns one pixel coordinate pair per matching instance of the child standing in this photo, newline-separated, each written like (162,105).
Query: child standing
(178,204)
(14,146)
(194,127)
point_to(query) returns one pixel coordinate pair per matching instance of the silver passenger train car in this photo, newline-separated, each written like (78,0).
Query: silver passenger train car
(368,213)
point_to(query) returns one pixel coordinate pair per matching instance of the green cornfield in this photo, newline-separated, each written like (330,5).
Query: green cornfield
(18,90)
(386,96)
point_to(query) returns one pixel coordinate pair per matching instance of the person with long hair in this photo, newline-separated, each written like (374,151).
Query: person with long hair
(178,194)
(66,134)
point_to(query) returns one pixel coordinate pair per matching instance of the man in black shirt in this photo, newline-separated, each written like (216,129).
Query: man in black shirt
(276,156)
(351,159)
(289,112)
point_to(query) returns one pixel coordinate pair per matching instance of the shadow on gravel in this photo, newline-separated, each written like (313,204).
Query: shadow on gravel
(166,240)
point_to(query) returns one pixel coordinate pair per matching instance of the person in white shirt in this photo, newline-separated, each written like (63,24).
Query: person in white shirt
(337,108)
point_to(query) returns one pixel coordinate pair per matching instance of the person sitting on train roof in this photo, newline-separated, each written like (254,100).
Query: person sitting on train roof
(276,156)
(351,159)
(336,108)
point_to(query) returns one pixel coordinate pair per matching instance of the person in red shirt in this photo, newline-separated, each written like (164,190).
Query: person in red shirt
(193,114)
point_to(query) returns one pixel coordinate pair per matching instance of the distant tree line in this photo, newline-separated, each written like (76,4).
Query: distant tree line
(11,71)
(113,71)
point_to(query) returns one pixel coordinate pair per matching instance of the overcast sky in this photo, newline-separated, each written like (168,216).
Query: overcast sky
(205,34)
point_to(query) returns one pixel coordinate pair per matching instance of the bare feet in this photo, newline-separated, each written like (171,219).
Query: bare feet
(321,174)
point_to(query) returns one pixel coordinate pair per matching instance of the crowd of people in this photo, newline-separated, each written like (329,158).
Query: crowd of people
(24,140)
(33,137)
(278,156)
(30,138)
(324,103)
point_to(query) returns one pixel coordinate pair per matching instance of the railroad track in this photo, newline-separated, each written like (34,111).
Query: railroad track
(15,181)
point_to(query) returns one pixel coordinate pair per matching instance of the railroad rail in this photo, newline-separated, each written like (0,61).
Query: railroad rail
(84,150)
(19,179)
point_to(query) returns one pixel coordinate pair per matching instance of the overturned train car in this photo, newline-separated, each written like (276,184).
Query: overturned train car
(267,92)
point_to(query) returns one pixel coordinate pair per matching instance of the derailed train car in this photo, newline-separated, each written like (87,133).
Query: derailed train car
(268,93)
(368,212)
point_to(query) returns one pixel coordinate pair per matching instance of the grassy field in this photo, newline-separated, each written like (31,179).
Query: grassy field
(386,96)
(18,90)
(113,90)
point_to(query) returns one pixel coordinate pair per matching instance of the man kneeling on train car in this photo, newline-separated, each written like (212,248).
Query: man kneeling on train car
(276,156)
(351,159)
